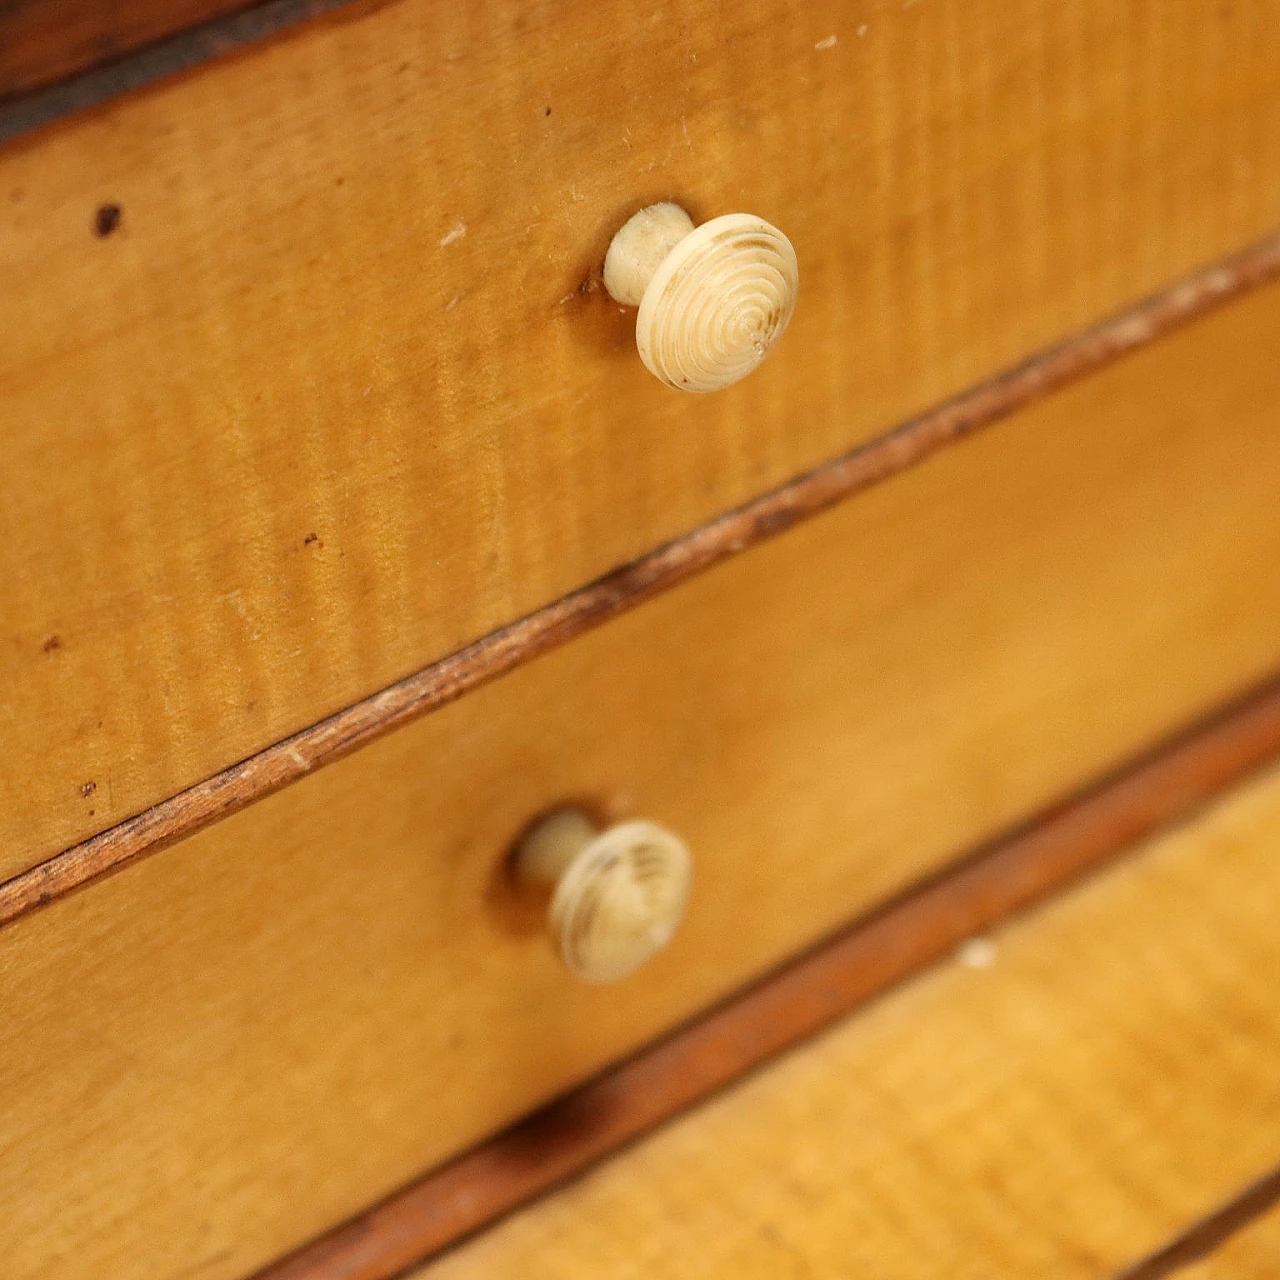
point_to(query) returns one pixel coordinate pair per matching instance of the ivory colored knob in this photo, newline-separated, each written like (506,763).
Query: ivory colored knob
(618,894)
(713,299)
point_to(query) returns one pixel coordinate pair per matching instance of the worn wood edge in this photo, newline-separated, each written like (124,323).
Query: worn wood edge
(442,682)
(926,923)
(49,41)
(26,111)
(1205,1237)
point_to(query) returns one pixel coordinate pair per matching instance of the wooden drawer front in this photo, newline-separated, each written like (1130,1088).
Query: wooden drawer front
(1105,1086)
(234,1044)
(331,400)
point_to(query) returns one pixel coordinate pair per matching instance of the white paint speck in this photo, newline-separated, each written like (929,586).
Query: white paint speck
(458,230)
(828,43)
(977,953)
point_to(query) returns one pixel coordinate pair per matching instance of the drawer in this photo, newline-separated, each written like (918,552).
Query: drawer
(338,392)
(230,1046)
(1103,1088)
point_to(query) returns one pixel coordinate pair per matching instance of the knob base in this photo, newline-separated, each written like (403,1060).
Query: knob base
(639,247)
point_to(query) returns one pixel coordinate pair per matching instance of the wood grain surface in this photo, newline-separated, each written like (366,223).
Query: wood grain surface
(308,381)
(42,41)
(1249,1254)
(576,1131)
(767,516)
(285,1017)
(1051,1104)
(1238,1238)
(104,51)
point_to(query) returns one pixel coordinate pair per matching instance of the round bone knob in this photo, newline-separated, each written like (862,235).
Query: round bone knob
(713,299)
(618,894)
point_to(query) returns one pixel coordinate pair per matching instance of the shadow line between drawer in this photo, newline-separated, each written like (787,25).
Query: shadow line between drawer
(774,512)
(1205,1237)
(882,949)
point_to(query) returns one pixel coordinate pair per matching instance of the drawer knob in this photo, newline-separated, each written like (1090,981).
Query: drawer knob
(713,299)
(617,895)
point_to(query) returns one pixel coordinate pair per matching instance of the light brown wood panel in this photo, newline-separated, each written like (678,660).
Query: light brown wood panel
(338,392)
(231,1046)
(1055,1103)
(728,535)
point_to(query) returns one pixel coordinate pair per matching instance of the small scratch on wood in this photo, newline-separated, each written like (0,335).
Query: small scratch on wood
(828,43)
(977,953)
(458,230)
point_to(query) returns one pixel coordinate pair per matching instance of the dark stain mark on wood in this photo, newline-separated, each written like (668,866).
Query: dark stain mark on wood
(52,644)
(310,538)
(88,788)
(106,220)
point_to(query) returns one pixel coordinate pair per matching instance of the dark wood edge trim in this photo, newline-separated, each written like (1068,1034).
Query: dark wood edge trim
(1203,1238)
(442,682)
(153,62)
(899,939)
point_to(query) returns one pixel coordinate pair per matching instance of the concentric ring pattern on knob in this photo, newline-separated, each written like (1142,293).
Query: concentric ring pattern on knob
(717,303)
(621,900)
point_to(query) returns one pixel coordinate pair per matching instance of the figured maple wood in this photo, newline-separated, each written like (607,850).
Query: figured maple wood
(1096,1077)
(773,513)
(1231,1241)
(580,1128)
(1249,1254)
(337,392)
(286,1016)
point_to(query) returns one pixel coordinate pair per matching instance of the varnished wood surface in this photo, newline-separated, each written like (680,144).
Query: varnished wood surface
(612,1110)
(1250,1254)
(248,1038)
(773,513)
(107,51)
(1238,1239)
(1051,1105)
(336,393)
(42,41)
